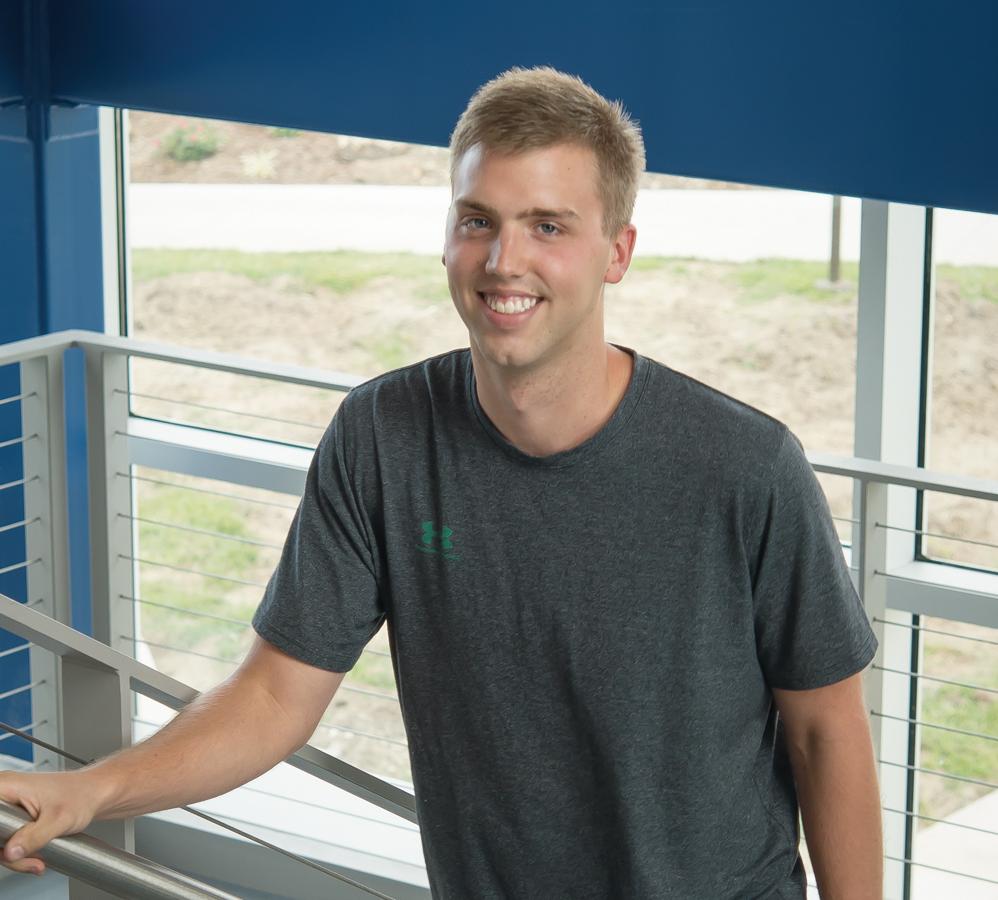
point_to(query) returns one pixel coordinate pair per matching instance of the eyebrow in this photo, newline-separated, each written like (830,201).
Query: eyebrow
(535,212)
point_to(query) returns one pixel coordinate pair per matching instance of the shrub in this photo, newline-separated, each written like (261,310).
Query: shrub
(191,144)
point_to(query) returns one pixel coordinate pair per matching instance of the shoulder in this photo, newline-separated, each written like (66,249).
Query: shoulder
(409,390)
(720,430)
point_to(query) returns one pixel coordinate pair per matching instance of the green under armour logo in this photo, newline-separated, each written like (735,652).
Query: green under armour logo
(434,541)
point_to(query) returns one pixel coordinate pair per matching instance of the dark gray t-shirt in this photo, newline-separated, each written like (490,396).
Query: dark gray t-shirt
(584,643)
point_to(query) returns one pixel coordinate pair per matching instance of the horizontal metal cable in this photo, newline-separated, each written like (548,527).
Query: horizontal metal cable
(921,583)
(327,726)
(963,637)
(221,659)
(915,815)
(7,400)
(7,735)
(973,734)
(20,690)
(204,531)
(374,652)
(846,519)
(367,692)
(922,865)
(215,821)
(20,565)
(10,651)
(18,440)
(404,826)
(963,684)
(363,734)
(198,490)
(948,537)
(153,562)
(20,481)
(235,662)
(948,775)
(188,612)
(20,524)
(222,409)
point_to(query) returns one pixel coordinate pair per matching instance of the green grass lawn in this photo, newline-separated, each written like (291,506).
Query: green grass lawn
(339,271)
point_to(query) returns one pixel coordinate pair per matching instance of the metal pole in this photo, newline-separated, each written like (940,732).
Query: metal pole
(833,265)
(103,866)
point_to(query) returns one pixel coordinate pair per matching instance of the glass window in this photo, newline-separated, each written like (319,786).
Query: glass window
(962,433)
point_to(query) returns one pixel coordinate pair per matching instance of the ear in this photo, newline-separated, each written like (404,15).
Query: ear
(622,248)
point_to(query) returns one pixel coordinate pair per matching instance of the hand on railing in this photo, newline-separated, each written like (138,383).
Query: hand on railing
(58,802)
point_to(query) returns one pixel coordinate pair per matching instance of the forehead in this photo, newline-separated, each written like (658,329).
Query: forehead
(558,175)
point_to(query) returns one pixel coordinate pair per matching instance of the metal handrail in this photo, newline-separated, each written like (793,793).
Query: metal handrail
(126,875)
(64,641)
(864,469)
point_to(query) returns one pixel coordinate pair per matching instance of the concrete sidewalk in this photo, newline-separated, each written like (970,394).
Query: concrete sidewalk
(733,225)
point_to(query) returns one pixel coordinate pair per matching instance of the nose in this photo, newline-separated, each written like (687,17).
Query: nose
(506,255)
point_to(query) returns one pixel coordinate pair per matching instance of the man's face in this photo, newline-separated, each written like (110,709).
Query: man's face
(525,231)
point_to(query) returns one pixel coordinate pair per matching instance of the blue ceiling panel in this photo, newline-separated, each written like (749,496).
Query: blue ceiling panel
(893,100)
(11,51)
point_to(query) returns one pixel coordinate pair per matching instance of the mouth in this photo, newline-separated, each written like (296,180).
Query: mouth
(509,304)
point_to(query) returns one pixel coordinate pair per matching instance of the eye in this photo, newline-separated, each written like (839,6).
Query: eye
(549,228)
(475,223)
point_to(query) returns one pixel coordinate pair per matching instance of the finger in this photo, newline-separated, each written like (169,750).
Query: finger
(28,866)
(32,837)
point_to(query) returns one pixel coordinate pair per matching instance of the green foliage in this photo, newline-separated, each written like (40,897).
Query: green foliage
(943,751)
(374,671)
(972,282)
(278,132)
(190,143)
(765,279)
(193,551)
(340,271)
(669,264)
(392,350)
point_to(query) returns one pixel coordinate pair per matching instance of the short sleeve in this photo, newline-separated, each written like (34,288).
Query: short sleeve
(810,626)
(322,603)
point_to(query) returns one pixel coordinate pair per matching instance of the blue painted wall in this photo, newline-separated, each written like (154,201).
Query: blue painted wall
(893,100)
(11,51)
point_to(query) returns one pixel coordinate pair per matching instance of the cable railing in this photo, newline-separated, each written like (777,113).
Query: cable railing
(99,864)
(153,557)
(90,666)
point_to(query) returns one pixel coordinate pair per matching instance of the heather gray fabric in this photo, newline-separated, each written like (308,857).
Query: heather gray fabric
(583,643)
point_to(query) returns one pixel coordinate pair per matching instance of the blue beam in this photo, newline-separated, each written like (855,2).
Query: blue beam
(892,100)
(11,51)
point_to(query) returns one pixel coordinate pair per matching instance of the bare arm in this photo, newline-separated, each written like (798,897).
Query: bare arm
(831,752)
(264,711)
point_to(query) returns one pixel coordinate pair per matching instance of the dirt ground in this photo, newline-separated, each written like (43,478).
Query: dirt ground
(792,358)
(256,154)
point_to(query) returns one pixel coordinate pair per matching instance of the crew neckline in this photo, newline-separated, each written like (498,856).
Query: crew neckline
(591,445)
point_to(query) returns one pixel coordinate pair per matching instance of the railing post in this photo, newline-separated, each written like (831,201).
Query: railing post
(887,693)
(888,403)
(96,721)
(97,704)
(43,414)
(110,494)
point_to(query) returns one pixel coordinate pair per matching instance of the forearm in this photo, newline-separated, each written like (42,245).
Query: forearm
(223,739)
(840,806)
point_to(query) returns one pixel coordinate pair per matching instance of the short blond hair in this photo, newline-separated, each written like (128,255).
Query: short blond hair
(529,109)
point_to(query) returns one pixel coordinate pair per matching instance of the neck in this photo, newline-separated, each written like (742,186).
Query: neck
(554,410)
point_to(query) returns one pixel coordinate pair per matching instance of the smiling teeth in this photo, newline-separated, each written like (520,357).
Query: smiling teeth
(516,305)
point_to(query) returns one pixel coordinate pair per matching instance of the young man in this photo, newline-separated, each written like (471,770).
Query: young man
(624,635)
